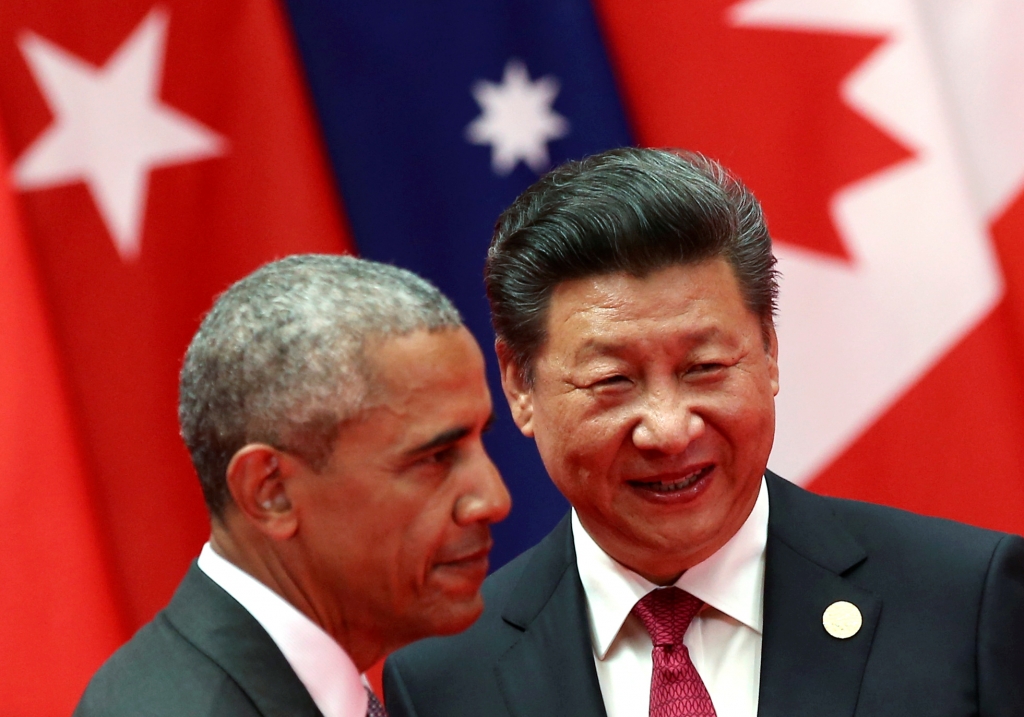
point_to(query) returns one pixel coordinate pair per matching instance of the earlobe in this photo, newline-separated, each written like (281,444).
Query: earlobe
(257,480)
(516,389)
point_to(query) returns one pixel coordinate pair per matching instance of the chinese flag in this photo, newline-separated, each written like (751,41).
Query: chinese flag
(157,154)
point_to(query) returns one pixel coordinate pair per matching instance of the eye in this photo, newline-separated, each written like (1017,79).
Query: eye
(706,367)
(706,371)
(611,381)
(443,456)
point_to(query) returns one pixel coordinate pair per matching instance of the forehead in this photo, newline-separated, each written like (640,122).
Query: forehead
(424,361)
(424,381)
(699,300)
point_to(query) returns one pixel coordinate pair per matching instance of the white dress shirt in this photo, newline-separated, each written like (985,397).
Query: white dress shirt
(724,640)
(323,667)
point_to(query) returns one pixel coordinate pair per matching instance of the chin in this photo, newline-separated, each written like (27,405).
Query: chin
(457,615)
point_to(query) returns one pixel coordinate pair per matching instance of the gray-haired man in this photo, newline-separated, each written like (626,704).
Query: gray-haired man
(334,409)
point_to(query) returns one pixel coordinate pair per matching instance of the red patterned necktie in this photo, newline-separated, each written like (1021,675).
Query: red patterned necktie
(676,688)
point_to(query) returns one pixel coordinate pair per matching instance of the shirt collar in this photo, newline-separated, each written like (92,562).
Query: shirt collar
(731,580)
(323,667)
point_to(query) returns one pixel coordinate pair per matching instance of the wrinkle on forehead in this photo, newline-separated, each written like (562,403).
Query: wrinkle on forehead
(617,293)
(619,314)
(600,344)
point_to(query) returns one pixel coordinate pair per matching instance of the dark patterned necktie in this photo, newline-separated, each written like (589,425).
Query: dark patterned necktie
(676,688)
(373,706)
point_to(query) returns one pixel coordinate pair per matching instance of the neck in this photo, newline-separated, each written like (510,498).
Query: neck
(270,563)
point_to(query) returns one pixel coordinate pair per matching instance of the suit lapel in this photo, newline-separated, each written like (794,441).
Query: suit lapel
(224,631)
(550,669)
(805,670)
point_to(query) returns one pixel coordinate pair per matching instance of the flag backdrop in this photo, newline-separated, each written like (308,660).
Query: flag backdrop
(151,154)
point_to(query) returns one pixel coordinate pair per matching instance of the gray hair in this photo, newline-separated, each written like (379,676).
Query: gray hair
(630,210)
(281,358)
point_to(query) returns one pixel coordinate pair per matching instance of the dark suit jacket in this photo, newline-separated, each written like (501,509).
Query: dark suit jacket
(943,633)
(204,654)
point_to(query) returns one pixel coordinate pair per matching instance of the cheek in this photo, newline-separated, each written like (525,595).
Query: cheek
(747,404)
(424,542)
(578,438)
(579,455)
(390,534)
(747,424)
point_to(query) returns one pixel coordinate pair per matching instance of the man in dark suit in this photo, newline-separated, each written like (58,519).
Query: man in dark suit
(633,296)
(333,408)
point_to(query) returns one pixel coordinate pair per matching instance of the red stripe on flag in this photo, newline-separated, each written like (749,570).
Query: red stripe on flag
(1008,235)
(953,445)
(60,618)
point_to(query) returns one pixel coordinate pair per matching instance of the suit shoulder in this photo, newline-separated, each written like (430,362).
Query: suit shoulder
(900,544)
(159,673)
(884,523)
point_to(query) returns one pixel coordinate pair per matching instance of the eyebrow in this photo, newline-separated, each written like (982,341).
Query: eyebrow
(446,438)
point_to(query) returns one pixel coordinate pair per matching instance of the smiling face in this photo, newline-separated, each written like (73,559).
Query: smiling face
(395,529)
(653,408)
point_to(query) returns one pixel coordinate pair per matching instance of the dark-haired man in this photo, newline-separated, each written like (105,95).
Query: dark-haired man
(333,408)
(633,296)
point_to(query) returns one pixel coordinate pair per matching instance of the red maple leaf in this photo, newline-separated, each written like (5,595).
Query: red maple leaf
(765,102)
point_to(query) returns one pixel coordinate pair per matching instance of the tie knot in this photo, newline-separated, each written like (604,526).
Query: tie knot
(666,613)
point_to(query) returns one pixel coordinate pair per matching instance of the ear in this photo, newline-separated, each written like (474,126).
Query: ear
(517,391)
(772,348)
(258,481)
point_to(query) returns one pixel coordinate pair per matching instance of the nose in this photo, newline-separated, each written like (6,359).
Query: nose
(486,500)
(667,424)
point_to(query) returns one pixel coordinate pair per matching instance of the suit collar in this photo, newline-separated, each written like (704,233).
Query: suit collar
(807,524)
(731,580)
(552,661)
(321,664)
(546,569)
(805,670)
(224,631)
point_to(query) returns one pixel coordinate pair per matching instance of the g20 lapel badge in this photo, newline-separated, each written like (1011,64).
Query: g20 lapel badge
(842,620)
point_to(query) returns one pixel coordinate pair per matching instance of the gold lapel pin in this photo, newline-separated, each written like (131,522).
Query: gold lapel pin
(842,620)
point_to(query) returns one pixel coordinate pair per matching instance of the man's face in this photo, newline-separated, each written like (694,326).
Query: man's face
(395,529)
(653,408)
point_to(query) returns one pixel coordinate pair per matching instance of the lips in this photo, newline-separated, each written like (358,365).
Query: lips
(465,555)
(461,573)
(677,482)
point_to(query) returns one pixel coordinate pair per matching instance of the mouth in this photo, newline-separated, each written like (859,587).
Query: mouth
(461,575)
(675,484)
(470,559)
(467,558)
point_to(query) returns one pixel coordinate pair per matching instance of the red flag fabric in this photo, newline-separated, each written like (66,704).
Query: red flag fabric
(158,154)
(61,618)
(900,341)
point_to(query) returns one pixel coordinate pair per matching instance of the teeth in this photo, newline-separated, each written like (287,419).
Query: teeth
(678,485)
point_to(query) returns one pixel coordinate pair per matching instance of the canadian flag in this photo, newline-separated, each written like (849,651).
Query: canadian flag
(885,140)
